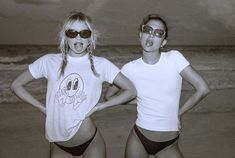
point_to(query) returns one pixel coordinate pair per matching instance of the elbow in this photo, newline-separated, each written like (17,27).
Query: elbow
(14,86)
(133,93)
(205,91)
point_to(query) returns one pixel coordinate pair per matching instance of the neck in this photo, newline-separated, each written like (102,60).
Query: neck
(151,57)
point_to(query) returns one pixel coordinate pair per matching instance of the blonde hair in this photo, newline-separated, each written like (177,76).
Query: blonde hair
(64,47)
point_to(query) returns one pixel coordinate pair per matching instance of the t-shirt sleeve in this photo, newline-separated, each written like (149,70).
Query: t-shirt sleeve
(124,70)
(110,71)
(38,68)
(179,61)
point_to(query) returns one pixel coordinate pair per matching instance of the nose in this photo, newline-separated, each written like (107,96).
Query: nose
(151,35)
(78,37)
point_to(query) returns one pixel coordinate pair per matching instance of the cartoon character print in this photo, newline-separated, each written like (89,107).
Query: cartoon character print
(71,91)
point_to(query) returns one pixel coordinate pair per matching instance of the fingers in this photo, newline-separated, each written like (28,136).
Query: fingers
(98,107)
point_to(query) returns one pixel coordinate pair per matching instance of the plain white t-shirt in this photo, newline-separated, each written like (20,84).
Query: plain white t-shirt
(70,97)
(158,90)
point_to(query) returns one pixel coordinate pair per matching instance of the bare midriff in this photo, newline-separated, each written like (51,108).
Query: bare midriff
(85,132)
(159,136)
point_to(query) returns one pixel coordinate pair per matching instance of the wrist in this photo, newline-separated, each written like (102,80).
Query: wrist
(103,105)
(180,113)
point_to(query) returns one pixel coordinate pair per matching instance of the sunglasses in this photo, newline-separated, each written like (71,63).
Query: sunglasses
(156,32)
(73,33)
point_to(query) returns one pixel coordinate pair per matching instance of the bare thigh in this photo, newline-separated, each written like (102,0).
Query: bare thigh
(134,147)
(56,152)
(97,148)
(172,151)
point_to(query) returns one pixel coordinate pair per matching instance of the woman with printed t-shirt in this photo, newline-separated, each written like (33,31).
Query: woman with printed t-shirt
(74,87)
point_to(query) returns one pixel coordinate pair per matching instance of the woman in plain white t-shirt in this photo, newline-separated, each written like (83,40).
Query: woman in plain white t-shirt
(157,77)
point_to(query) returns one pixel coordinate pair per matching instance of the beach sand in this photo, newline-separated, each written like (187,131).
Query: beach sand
(204,134)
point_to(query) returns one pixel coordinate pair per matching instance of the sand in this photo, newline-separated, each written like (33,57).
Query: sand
(204,134)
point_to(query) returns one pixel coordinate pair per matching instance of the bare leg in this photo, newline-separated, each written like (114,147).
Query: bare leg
(56,152)
(134,147)
(171,151)
(97,147)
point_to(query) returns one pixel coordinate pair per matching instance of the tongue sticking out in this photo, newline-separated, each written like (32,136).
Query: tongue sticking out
(78,46)
(149,43)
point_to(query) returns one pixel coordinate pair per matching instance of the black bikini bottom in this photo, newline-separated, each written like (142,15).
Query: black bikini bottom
(77,150)
(150,146)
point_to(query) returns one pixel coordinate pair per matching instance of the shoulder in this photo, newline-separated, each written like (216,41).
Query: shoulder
(131,66)
(176,53)
(177,58)
(100,60)
(51,56)
(173,53)
(132,63)
(47,60)
(54,56)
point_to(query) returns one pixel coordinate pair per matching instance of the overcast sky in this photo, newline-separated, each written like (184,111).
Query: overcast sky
(190,22)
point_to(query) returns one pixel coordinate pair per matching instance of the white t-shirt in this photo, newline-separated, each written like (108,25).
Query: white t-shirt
(70,97)
(158,90)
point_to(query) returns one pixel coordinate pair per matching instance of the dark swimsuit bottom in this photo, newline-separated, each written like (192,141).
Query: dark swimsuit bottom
(150,146)
(77,150)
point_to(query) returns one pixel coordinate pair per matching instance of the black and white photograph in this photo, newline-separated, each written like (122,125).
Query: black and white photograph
(117,79)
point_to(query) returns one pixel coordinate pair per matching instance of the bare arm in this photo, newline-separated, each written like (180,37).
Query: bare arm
(111,91)
(202,89)
(17,87)
(128,92)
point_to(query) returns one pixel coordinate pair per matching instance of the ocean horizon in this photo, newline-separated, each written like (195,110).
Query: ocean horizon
(214,63)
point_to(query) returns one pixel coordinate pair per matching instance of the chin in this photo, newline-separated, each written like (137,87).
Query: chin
(78,53)
(148,49)
(151,48)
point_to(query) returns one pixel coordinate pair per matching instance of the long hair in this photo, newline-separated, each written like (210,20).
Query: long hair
(64,47)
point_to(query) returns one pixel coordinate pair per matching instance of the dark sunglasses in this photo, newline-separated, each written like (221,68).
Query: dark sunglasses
(156,32)
(73,33)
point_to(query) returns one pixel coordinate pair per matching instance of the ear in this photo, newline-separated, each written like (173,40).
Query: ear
(163,43)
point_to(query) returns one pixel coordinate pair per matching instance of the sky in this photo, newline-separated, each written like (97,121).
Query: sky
(190,22)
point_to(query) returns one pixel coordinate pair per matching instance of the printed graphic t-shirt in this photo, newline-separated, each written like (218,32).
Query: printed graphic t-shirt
(158,90)
(70,96)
